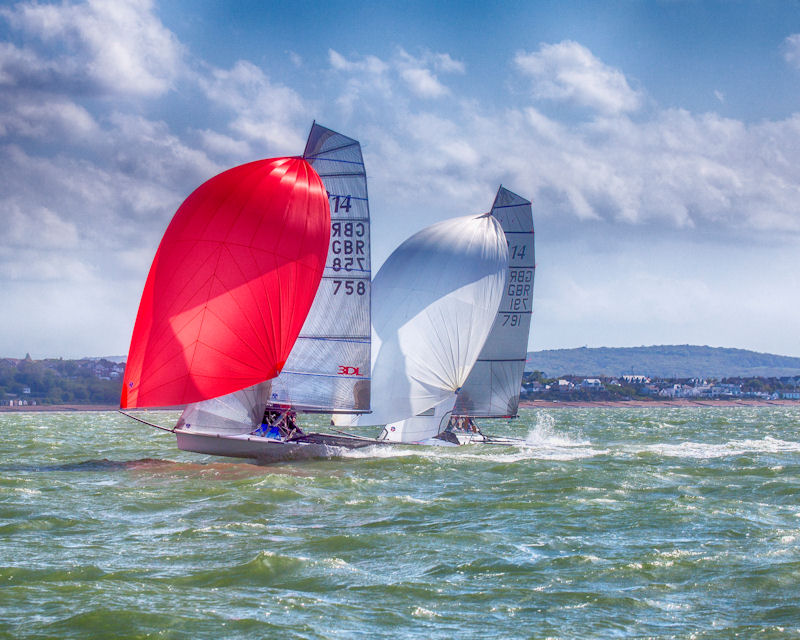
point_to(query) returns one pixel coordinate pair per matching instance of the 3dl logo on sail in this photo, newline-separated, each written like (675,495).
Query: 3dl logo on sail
(344,370)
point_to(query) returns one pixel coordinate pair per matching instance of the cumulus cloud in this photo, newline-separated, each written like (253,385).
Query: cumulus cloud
(791,50)
(47,118)
(371,65)
(37,226)
(569,72)
(423,83)
(265,113)
(444,63)
(118,44)
(417,73)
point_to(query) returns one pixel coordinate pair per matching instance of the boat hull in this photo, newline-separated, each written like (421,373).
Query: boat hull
(313,445)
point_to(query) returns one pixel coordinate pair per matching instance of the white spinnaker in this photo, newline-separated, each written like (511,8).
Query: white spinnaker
(434,301)
(493,386)
(328,368)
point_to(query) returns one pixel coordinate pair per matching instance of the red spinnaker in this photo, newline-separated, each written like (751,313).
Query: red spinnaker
(230,286)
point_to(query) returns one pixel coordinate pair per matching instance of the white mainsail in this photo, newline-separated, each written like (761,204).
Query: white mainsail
(493,387)
(434,302)
(328,369)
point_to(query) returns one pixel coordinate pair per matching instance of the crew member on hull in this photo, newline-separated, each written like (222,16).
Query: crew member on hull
(279,424)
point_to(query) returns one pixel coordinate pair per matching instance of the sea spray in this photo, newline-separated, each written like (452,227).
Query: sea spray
(544,434)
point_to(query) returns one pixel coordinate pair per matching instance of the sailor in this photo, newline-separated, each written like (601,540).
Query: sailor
(268,428)
(293,428)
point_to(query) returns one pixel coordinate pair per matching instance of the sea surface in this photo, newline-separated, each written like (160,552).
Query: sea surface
(608,523)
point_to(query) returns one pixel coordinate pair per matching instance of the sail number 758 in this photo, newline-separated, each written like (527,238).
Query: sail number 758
(349,287)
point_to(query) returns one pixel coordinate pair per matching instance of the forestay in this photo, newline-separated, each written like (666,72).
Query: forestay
(493,387)
(434,302)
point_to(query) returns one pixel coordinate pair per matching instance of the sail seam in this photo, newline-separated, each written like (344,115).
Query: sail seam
(342,160)
(339,148)
(341,175)
(509,206)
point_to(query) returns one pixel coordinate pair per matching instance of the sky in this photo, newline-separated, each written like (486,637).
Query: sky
(658,141)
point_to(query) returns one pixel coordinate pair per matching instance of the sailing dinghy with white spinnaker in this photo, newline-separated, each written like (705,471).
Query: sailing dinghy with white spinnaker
(258,306)
(434,302)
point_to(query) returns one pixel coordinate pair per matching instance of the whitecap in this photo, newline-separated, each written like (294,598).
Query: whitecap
(731,448)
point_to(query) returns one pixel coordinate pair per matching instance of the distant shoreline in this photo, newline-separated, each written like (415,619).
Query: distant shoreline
(679,403)
(59,407)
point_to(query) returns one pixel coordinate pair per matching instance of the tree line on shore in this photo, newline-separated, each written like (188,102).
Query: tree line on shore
(99,381)
(57,381)
(609,388)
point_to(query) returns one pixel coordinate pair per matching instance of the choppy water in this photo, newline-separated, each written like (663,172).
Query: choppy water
(663,523)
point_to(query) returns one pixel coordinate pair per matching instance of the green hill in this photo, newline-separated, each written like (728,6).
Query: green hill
(666,361)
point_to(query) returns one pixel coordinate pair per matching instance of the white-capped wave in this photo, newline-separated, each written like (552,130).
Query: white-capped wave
(731,448)
(543,442)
